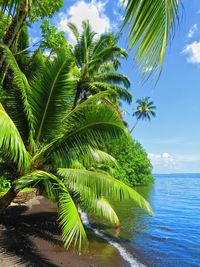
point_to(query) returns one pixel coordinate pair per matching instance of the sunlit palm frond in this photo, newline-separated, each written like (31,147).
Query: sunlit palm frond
(52,96)
(23,91)
(98,206)
(69,219)
(86,126)
(11,142)
(91,126)
(101,184)
(151,25)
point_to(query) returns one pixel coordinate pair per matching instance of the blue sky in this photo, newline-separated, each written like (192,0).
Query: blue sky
(172,139)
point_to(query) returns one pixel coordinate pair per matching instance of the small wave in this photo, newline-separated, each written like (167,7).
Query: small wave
(122,251)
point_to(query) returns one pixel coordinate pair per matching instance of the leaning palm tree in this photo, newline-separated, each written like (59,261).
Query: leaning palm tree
(144,110)
(150,24)
(43,143)
(97,60)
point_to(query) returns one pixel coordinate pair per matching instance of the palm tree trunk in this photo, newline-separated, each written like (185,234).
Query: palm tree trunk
(7,199)
(14,28)
(134,126)
(77,96)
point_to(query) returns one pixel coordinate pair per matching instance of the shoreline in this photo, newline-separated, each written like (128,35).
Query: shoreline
(29,236)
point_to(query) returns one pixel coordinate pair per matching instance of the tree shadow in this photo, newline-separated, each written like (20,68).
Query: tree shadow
(16,230)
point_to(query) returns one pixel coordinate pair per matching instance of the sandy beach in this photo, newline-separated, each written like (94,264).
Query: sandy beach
(29,236)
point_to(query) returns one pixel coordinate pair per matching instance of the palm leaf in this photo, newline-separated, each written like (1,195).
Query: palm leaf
(102,184)
(11,142)
(98,206)
(151,25)
(85,127)
(74,30)
(113,77)
(23,91)
(51,96)
(69,219)
(121,92)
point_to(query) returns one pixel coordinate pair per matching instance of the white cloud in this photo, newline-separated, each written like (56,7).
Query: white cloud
(177,163)
(93,11)
(192,51)
(162,160)
(192,31)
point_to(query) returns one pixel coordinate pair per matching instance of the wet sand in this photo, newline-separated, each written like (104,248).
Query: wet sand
(30,236)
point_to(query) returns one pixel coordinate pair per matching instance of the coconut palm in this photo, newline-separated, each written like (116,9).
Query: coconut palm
(150,24)
(42,142)
(144,110)
(19,10)
(97,60)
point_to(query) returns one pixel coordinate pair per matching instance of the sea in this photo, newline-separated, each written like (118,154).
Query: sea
(170,238)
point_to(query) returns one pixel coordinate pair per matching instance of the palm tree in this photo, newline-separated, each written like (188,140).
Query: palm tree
(42,141)
(97,61)
(19,10)
(150,24)
(144,110)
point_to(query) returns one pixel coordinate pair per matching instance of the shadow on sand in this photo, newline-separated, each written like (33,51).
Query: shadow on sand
(17,230)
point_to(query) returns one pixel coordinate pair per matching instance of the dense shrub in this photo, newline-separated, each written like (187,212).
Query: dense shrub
(134,165)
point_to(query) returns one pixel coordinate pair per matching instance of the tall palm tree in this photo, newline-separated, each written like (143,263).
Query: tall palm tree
(42,141)
(144,110)
(150,24)
(97,61)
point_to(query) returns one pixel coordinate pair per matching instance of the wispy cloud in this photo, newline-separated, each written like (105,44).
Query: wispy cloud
(166,162)
(192,52)
(94,12)
(192,31)
(162,160)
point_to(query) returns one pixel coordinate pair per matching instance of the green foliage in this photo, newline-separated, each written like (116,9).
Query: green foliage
(57,137)
(4,22)
(97,61)
(134,165)
(4,184)
(52,39)
(151,24)
(36,9)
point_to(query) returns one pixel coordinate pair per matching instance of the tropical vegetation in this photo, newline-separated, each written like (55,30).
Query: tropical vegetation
(134,167)
(43,138)
(58,114)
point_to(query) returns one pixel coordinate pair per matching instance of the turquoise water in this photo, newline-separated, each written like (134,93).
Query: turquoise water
(172,236)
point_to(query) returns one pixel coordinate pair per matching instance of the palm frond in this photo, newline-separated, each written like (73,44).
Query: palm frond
(11,142)
(151,25)
(121,92)
(113,77)
(98,206)
(85,127)
(71,224)
(22,85)
(69,218)
(91,126)
(52,96)
(74,30)
(101,184)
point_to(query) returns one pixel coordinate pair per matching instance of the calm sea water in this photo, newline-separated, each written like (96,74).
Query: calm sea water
(172,236)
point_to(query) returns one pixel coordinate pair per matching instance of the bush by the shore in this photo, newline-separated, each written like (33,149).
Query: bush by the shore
(134,166)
